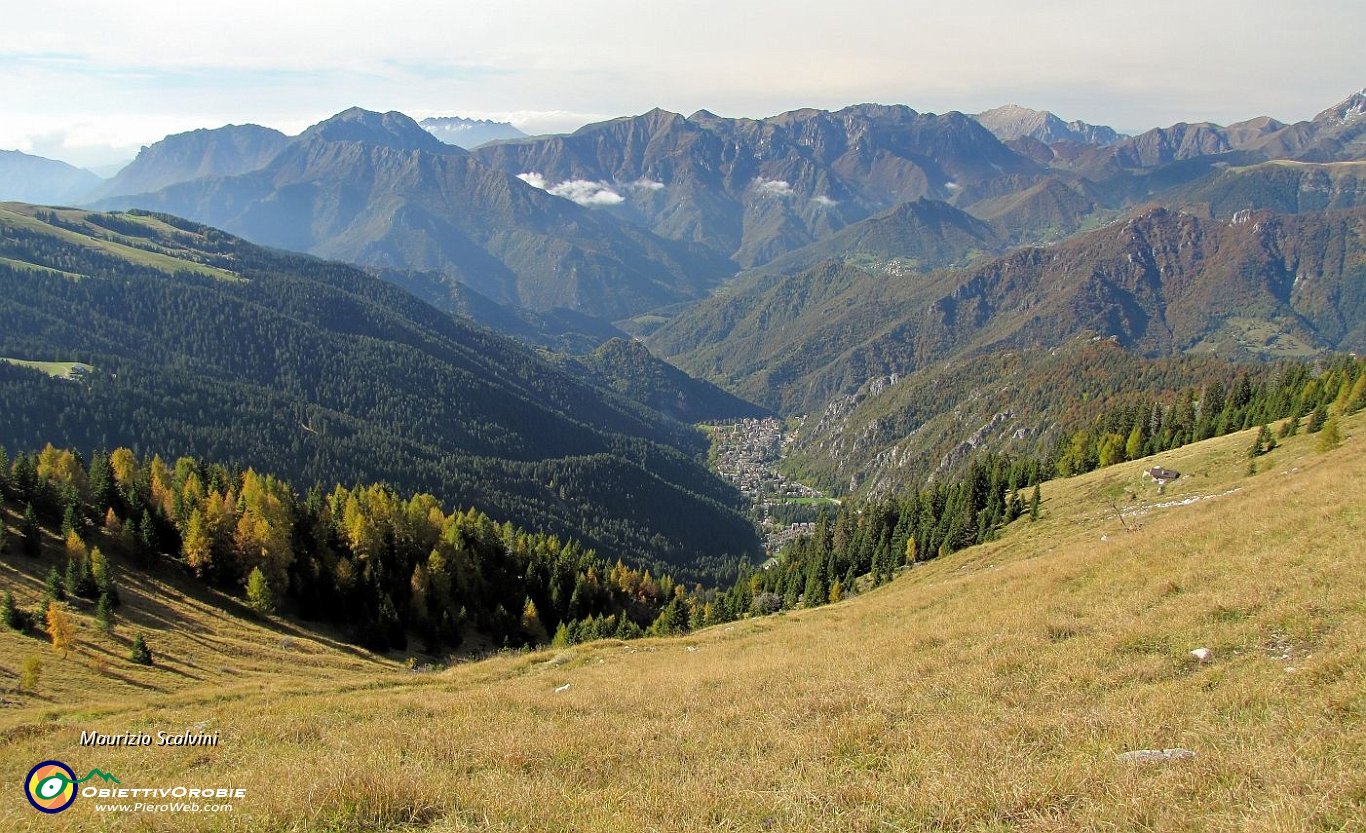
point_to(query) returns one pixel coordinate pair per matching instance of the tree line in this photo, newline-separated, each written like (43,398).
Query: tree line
(864,542)
(382,566)
(1297,391)
(389,568)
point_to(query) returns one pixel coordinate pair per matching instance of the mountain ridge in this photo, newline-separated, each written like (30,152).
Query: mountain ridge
(25,177)
(1161,282)
(1012,121)
(326,374)
(753,189)
(209,152)
(377,190)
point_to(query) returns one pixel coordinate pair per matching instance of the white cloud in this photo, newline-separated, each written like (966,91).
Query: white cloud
(773,187)
(646,184)
(951,185)
(534,179)
(587,192)
(87,143)
(824,202)
(582,191)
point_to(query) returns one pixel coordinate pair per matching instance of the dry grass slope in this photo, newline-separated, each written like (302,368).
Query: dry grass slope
(987,691)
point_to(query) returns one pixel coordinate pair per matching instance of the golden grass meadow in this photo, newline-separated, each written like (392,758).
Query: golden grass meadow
(989,690)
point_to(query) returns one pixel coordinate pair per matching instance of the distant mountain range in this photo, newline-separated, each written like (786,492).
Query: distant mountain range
(224,151)
(469,133)
(803,259)
(30,178)
(1014,122)
(1338,134)
(666,207)
(376,189)
(754,189)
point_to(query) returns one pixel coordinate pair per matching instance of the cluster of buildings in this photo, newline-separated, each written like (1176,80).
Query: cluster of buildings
(746,452)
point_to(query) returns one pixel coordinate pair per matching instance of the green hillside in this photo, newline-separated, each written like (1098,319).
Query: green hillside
(320,373)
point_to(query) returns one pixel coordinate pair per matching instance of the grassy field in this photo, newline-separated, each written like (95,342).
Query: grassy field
(1252,335)
(57,370)
(89,235)
(991,690)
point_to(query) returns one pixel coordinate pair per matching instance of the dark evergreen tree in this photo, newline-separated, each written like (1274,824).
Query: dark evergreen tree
(104,613)
(140,653)
(147,537)
(25,480)
(55,588)
(1317,418)
(69,523)
(1263,443)
(673,619)
(100,480)
(817,590)
(78,580)
(30,532)
(10,615)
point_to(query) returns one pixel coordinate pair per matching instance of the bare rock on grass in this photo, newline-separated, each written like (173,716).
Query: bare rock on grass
(1155,755)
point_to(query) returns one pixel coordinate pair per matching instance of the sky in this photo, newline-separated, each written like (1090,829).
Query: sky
(90,81)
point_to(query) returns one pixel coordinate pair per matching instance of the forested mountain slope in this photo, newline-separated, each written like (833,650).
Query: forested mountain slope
(1161,282)
(203,344)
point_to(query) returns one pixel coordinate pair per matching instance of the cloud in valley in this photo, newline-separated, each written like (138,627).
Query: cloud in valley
(824,202)
(773,187)
(582,191)
(534,179)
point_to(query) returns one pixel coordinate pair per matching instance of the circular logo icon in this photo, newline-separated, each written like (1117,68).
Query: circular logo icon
(51,786)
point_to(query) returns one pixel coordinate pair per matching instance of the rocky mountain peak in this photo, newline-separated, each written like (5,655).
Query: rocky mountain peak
(1012,121)
(469,133)
(223,151)
(1348,110)
(392,129)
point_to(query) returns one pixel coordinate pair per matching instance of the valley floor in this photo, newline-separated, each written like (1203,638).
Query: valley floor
(748,453)
(990,690)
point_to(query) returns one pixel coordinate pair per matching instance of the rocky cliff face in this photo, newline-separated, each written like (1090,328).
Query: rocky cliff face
(754,189)
(1013,122)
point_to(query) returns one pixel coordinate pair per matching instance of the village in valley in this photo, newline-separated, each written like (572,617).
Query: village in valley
(747,453)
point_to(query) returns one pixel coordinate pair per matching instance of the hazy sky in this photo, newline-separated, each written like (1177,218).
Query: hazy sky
(89,81)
